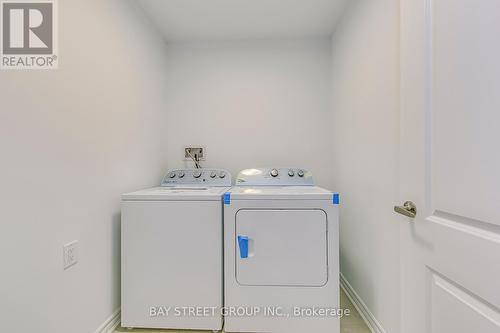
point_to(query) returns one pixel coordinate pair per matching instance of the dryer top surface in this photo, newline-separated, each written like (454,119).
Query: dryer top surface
(280,192)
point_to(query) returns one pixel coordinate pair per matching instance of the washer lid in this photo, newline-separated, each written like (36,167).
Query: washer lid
(176,193)
(280,193)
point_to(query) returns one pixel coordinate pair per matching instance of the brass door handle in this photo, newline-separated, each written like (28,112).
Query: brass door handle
(408,209)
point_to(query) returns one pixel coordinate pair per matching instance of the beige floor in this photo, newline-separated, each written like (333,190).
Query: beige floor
(348,324)
(353,323)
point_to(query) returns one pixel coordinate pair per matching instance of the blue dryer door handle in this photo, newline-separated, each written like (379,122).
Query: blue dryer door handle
(243,244)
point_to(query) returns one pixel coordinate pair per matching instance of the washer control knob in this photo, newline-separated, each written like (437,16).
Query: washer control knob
(197,174)
(213,174)
(291,173)
(274,173)
(180,174)
(172,174)
(222,174)
(300,173)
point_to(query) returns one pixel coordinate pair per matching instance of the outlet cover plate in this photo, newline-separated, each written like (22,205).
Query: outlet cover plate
(70,254)
(200,150)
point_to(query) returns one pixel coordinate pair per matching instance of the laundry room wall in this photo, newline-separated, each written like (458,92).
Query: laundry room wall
(364,136)
(251,103)
(71,141)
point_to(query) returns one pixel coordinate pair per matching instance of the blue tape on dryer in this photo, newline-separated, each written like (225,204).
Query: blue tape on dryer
(227,198)
(243,244)
(336,198)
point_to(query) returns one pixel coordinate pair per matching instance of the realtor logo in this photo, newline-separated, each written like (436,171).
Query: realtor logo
(28,35)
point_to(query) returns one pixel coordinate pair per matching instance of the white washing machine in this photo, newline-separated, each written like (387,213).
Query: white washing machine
(171,252)
(281,254)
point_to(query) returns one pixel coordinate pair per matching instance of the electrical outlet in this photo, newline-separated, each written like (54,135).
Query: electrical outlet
(70,254)
(199,151)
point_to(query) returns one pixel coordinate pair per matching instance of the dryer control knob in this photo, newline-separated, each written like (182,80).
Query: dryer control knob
(300,173)
(291,173)
(197,174)
(171,175)
(274,173)
(181,174)
(213,174)
(222,174)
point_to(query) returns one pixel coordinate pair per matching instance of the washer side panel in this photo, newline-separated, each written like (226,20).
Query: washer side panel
(171,257)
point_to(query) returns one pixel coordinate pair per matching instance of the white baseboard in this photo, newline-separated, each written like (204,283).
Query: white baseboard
(111,323)
(363,310)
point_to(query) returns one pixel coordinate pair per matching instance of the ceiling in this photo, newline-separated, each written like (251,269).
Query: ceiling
(202,20)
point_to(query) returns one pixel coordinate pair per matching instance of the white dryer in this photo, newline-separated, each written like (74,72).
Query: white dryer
(281,254)
(171,252)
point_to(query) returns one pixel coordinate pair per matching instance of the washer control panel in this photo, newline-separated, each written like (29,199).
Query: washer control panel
(274,177)
(197,177)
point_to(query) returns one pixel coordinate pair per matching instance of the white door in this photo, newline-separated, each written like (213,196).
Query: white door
(281,247)
(450,165)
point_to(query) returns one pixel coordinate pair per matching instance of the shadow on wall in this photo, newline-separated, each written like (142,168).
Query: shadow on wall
(348,266)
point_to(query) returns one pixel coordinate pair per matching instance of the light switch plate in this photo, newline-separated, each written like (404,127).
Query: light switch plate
(70,254)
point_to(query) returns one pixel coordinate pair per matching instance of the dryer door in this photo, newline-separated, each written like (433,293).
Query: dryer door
(281,247)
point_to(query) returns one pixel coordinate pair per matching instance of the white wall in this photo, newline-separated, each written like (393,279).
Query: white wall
(251,103)
(365,87)
(71,141)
